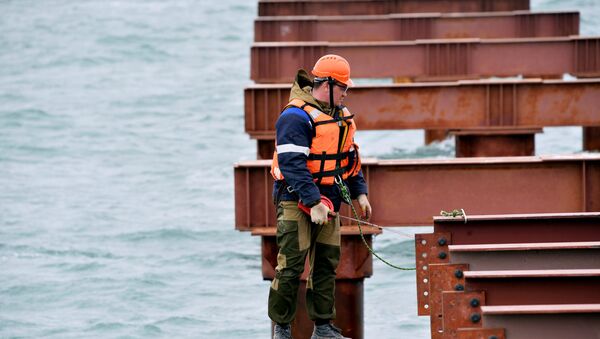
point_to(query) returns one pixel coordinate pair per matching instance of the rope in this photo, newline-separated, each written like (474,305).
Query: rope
(455,213)
(348,200)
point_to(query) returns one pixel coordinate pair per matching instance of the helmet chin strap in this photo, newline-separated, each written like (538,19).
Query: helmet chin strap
(331,83)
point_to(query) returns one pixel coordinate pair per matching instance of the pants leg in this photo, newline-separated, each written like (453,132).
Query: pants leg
(324,258)
(293,239)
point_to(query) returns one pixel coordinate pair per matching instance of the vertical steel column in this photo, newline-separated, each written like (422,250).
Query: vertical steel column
(495,142)
(591,139)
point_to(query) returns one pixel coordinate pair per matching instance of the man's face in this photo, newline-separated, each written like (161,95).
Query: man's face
(340,91)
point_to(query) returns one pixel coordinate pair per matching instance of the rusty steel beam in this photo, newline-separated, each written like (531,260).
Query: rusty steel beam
(360,7)
(434,60)
(564,255)
(495,142)
(517,24)
(410,192)
(591,138)
(434,248)
(536,287)
(451,105)
(507,229)
(544,321)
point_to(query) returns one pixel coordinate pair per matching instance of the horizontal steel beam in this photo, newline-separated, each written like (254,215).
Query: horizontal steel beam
(528,257)
(536,287)
(431,60)
(358,7)
(517,24)
(506,229)
(452,105)
(556,322)
(410,192)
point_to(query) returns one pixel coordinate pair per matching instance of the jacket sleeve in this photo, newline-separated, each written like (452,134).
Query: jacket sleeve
(294,137)
(357,185)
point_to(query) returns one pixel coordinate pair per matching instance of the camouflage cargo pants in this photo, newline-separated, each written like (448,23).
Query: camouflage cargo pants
(297,236)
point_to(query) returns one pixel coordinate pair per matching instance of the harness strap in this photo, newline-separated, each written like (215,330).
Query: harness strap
(336,156)
(332,173)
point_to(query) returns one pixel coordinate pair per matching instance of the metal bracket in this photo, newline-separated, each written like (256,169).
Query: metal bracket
(429,248)
(443,277)
(461,309)
(480,333)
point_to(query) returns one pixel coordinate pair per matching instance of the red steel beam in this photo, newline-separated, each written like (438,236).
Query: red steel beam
(430,60)
(410,192)
(544,321)
(390,27)
(536,287)
(451,105)
(506,229)
(358,7)
(562,255)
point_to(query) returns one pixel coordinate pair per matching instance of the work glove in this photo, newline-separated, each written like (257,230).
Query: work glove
(319,213)
(365,206)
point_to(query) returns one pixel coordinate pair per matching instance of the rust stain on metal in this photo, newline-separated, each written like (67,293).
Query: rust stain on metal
(429,248)
(461,310)
(357,7)
(431,60)
(443,277)
(480,333)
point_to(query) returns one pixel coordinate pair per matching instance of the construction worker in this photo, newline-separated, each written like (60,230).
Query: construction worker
(315,153)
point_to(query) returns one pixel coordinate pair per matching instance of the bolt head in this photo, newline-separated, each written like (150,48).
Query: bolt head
(475,318)
(458,273)
(459,287)
(442,255)
(474,302)
(442,241)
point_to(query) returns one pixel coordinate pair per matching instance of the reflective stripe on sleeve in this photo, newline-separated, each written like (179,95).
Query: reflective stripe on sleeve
(289,148)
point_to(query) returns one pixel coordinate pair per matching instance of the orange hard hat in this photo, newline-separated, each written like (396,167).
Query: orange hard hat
(334,66)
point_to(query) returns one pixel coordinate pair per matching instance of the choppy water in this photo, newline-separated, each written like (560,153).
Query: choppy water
(119,125)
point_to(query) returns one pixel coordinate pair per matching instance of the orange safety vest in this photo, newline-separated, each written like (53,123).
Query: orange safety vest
(328,157)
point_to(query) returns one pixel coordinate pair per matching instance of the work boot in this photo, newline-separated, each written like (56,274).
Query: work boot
(327,331)
(282,332)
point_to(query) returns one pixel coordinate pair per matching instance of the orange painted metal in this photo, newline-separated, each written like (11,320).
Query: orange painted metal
(434,60)
(430,248)
(460,310)
(480,333)
(410,192)
(516,24)
(454,105)
(495,142)
(444,277)
(359,7)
